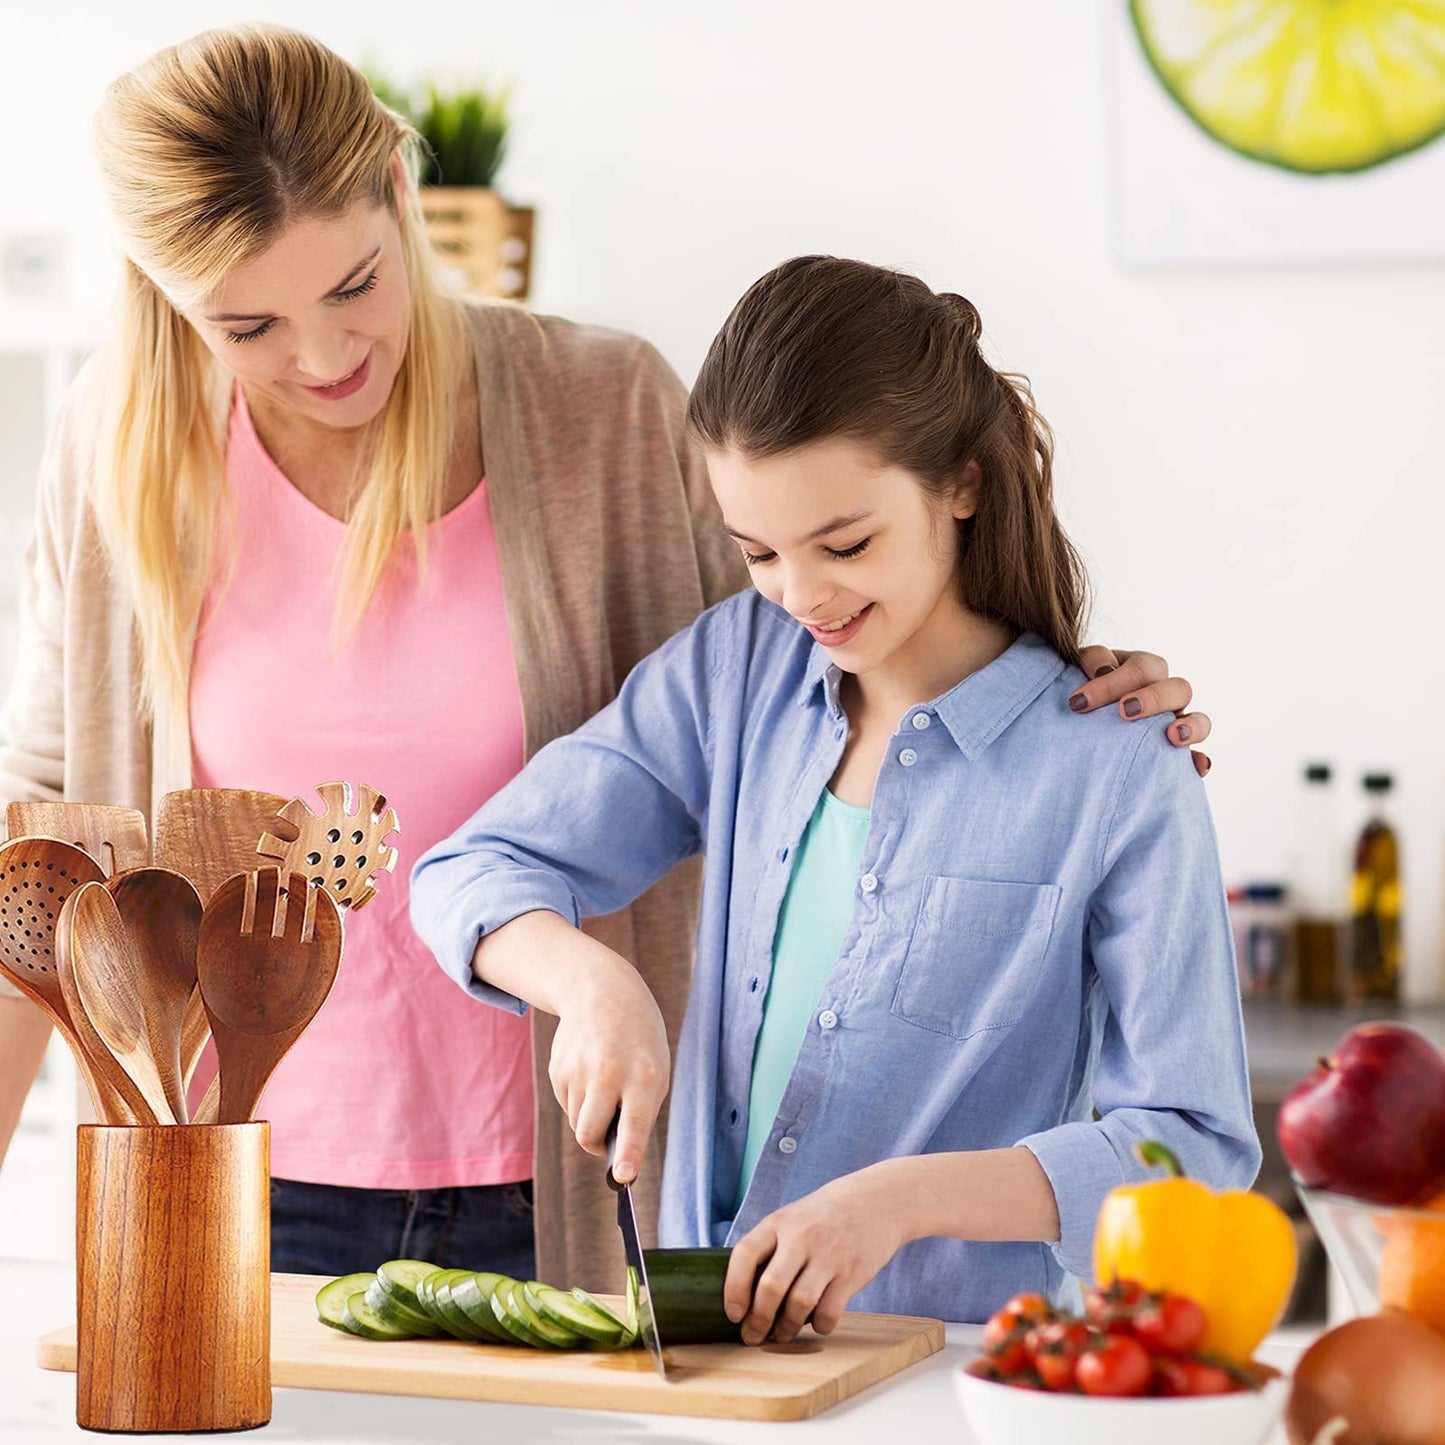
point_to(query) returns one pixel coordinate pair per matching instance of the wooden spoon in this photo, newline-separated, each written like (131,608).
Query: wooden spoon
(112,983)
(161,915)
(268,957)
(114,837)
(37,876)
(209,835)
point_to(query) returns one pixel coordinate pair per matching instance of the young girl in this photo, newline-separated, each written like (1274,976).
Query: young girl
(944,921)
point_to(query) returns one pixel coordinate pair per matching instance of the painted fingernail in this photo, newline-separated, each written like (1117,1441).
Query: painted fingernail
(1183,733)
(1105,669)
(1207,765)
(1078,702)
(1133,707)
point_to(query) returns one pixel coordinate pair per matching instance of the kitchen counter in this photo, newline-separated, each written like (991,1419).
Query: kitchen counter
(1284,1040)
(38,1406)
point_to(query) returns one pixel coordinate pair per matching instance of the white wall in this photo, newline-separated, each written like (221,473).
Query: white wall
(1250,459)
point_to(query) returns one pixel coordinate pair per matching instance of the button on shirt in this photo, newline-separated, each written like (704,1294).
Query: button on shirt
(1046,935)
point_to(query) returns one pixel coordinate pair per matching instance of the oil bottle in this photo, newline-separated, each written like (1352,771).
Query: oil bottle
(1375,900)
(1318,888)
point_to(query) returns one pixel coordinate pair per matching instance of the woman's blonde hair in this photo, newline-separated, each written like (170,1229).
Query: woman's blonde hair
(207,151)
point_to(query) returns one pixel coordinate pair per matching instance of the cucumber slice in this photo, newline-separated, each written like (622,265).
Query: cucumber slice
(634,1299)
(331,1298)
(391,1309)
(607,1315)
(570,1314)
(525,1324)
(444,1312)
(473,1296)
(362,1320)
(400,1277)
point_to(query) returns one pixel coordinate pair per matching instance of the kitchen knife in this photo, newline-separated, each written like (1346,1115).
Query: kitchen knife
(632,1247)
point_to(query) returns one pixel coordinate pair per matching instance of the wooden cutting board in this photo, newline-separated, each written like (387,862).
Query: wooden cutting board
(734,1382)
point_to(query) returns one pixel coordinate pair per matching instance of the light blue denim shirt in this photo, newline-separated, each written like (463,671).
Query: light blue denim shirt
(1039,932)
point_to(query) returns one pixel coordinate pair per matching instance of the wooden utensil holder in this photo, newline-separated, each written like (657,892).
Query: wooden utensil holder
(173,1281)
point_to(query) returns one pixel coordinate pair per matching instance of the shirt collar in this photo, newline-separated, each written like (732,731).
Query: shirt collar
(979,708)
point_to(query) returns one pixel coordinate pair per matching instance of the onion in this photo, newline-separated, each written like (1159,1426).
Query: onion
(1382,1376)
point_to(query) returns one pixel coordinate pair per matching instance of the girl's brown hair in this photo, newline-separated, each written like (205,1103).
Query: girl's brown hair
(823,347)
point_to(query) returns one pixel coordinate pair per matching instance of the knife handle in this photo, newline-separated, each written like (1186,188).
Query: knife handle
(612,1151)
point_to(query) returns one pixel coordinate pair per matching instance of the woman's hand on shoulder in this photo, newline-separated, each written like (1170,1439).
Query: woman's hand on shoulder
(1139,685)
(804,1262)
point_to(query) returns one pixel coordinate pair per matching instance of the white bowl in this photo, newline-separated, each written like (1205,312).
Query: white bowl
(1000,1414)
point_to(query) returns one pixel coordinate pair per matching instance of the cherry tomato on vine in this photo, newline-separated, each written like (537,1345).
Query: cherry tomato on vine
(1115,1365)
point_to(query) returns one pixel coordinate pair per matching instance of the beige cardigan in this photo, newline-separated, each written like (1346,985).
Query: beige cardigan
(609,543)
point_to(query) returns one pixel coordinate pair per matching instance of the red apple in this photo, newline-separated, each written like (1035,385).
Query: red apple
(1370,1120)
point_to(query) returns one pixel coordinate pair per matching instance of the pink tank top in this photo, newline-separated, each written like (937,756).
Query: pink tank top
(400,1082)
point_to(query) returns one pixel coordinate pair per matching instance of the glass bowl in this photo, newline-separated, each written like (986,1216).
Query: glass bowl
(1386,1254)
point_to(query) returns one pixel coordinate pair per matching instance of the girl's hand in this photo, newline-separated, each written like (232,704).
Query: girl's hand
(1140,684)
(610,1050)
(814,1256)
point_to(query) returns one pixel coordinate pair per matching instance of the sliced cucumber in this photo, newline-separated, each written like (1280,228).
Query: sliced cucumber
(435,1293)
(331,1298)
(634,1298)
(605,1313)
(362,1320)
(473,1296)
(400,1277)
(390,1308)
(525,1324)
(424,1287)
(569,1313)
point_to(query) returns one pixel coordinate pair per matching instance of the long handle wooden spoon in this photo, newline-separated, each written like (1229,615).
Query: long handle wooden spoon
(112,983)
(161,916)
(268,957)
(37,876)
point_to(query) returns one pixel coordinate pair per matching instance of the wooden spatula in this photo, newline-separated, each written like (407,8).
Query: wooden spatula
(113,986)
(160,913)
(268,957)
(209,835)
(338,849)
(114,837)
(37,875)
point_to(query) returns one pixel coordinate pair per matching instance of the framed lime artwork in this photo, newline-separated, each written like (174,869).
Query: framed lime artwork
(1277,130)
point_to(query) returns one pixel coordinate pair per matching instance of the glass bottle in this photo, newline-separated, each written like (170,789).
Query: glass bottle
(1318,886)
(1375,900)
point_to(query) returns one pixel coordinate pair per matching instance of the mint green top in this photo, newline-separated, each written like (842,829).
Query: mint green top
(815,915)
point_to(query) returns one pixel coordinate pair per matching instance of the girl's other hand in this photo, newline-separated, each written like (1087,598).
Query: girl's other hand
(1140,685)
(610,1051)
(812,1256)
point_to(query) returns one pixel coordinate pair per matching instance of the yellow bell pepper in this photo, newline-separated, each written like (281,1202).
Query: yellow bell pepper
(1233,1253)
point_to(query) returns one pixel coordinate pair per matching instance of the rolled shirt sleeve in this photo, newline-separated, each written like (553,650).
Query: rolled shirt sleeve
(592,821)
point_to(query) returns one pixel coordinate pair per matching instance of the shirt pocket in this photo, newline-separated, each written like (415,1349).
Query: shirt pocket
(976,954)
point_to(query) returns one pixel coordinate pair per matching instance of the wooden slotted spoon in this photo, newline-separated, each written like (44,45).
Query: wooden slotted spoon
(37,876)
(114,837)
(336,849)
(112,983)
(160,913)
(268,957)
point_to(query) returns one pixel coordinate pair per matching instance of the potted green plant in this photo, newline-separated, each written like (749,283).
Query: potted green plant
(484,242)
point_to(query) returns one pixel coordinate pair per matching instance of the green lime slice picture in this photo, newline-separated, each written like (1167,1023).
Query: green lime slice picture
(1309,85)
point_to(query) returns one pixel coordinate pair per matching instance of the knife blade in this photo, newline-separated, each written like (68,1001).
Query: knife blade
(632,1248)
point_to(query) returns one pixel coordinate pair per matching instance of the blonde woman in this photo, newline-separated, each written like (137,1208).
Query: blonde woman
(310,518)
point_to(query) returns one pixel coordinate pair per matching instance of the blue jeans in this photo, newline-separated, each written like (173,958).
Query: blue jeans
(334,1230)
